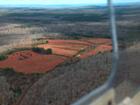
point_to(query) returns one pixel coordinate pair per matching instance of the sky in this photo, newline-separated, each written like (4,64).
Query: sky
(60,2)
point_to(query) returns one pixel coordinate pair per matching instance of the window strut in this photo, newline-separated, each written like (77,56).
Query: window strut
(88,99)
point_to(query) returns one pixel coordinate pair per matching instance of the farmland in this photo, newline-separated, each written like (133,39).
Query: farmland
(55,56)
(32,63)
(29,61)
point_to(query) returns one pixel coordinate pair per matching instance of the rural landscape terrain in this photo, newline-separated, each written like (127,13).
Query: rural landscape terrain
(56,56)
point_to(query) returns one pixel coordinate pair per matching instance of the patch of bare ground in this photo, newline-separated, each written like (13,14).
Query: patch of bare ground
(68,83)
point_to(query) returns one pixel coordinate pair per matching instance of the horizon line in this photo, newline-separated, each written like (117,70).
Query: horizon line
(61,5)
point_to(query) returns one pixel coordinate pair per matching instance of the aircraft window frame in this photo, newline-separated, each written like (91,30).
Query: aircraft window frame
(89,98)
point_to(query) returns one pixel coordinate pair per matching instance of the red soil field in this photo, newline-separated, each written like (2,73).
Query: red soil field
(68,46)
(78,42)
(101,48)
(99,41)
(31,62)
(60,51)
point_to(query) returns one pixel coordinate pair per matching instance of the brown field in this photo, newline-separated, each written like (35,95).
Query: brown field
(99,49)
(79,42)
(30,62)
(69,47)
(60,51)
(99,41)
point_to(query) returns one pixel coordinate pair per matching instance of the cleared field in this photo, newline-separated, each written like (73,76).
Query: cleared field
(30,62)
(99,49)
(69,46)
(99,41)
(79,42)
(60,51)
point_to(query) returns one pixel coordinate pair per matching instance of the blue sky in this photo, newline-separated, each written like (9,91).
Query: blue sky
(60,2)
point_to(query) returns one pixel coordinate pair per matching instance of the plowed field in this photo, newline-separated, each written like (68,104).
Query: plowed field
(99,41)
(62,50)
(31,62)
(99,49)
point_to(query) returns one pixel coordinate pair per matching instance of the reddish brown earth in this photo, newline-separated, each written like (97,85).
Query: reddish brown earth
(99,41)
(65,46)
(70,48)
(73,42)
(31,62)
(99,49)
(60,51)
